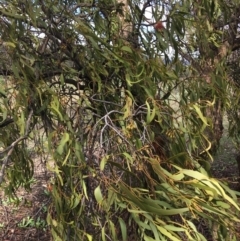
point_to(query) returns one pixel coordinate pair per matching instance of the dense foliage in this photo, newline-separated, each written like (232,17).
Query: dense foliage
(124,111)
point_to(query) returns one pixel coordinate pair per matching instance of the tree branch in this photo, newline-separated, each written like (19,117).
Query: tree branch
(10,149)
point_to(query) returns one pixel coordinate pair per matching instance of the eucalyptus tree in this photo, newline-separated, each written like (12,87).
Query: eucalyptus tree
(118,98)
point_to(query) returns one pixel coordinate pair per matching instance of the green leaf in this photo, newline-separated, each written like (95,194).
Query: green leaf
(98,194)
(167,234)
(113,230)
(84,189)
(64,140)
(55,107)
(200,114)
(150,114)
(126,49)
(223,204)
(123,229)
(147,238)
(9,44)
(66,158)
(103,234)
(155,232)
(103,162)
(174,228)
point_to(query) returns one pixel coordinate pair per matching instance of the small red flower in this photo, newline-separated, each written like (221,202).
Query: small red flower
(158,26)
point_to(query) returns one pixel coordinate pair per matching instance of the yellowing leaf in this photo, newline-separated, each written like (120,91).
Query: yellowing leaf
(167,234)
(9,44)
(127,108)
(54,222)
(200,114)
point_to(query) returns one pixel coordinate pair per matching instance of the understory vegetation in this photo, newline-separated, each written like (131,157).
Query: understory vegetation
(123,103)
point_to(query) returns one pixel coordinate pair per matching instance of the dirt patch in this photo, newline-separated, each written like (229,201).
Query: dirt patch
(25,219)
(225,167)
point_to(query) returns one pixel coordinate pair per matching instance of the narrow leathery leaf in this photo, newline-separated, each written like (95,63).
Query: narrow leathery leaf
(103,162)
(123,229)
(212,209)
(113,230)
(129,158)
(9,44)
(136,211)
(210,191)
(55,235)
(195,174)
(64,140)
(171,75)
(177,177)
(167,233)
(174,228)
(188,234)
(157,169)
(155,232)
(58,172)
(160,221)
(98,195)
(58,201)
(55,106)
(169,187)
(192,226)
(200,114)
(78,152)
(89,237)
(140,65)
(126,49)
(111,198)
(223,204)
(150,114)
(127,108)
(84,189)
(148,217)
(62,79)
(147,206)
(165,212)
(128,79)
(143,225)
(103,234)
(201,237)
(208,147)
(163,204)
(76,200)
(66,158)
(231,192)
(54,223)
(223,194)
(211,183)
(147,238)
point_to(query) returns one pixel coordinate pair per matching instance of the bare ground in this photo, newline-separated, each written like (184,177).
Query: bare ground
(27,221)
